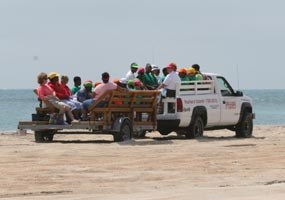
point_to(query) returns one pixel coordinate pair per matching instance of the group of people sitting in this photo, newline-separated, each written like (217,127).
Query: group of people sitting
(149,77)
(75,101)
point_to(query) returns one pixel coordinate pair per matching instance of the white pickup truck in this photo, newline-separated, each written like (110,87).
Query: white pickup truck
(208,104)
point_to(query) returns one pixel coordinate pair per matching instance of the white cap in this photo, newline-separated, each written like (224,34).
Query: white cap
(123,80)
(154,67)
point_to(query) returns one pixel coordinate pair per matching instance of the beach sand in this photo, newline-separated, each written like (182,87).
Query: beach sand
(217,166)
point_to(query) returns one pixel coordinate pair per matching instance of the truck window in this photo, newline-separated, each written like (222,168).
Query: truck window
(225,87)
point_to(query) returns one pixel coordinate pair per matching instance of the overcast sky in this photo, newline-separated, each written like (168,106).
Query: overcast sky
(244,40)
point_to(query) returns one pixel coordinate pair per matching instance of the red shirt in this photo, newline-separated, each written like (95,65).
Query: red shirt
(66,89)
(59,90)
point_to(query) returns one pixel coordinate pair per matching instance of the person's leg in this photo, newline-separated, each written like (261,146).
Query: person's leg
(171,106)
(102,104)
(59,105)
(70,115)
(68,111)
(85,106)
(78,107)
(62,107)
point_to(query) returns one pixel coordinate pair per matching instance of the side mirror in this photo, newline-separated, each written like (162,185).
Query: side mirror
(239,93)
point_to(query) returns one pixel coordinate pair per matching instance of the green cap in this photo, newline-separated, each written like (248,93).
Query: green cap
(131,83)
(88,84)
(134,65)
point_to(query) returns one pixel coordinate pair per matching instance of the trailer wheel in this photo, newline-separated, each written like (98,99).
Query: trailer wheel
(196,128)
(125,132)
(245,126)
(44,136)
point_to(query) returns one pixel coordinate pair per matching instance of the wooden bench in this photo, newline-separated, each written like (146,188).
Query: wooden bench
(132,104)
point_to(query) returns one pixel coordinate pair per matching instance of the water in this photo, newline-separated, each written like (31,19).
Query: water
(18,105)
(15,106)
(269,106)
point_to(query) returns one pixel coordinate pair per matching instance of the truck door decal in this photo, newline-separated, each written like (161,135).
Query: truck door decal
(201,101)
(231,105)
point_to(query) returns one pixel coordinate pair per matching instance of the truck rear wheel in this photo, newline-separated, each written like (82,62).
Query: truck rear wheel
(245,126)
(196,128)
(125,132)
(44,136)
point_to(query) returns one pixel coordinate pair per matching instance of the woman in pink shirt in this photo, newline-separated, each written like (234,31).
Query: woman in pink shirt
(46,93)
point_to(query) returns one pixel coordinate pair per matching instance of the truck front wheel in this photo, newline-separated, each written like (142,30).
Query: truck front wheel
(196,128)
(245,126)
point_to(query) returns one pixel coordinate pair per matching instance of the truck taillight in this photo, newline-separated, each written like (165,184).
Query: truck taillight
(179,105)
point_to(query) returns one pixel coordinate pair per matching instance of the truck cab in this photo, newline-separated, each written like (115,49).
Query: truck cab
(207,104)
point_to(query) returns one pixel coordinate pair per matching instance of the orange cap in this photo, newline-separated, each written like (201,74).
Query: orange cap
(116,81)
(97,83)
(182,71)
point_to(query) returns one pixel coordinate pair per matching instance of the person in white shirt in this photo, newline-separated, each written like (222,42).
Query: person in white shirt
(131,74)
(169,84)
(170,81)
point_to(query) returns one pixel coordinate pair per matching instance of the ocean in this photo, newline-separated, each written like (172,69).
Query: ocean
(18,105)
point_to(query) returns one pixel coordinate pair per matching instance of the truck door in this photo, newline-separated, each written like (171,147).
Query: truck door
(230,107)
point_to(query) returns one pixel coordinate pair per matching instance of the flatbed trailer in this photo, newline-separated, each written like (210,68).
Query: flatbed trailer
(127,113)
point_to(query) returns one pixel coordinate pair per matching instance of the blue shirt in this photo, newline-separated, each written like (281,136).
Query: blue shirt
(83,94)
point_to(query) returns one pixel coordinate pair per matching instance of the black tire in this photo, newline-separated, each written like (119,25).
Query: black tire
(44,136)
(125,132)
(164,131)
(245,126)
(196,128)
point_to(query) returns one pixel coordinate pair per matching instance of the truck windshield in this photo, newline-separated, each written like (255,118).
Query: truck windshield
(225,87)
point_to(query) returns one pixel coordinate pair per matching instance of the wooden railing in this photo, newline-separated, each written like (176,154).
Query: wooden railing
(131,104)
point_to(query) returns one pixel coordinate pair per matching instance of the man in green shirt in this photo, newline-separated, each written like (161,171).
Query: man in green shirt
(77,84)
(149,79)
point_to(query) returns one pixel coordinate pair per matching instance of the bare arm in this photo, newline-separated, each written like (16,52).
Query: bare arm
(161,86)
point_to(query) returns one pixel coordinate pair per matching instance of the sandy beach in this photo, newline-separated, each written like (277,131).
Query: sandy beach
(217,166)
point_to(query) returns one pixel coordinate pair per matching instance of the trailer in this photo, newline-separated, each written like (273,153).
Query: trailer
(127,114)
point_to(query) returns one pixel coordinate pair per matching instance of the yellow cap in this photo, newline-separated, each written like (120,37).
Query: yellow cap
(191,70)
(53,75)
